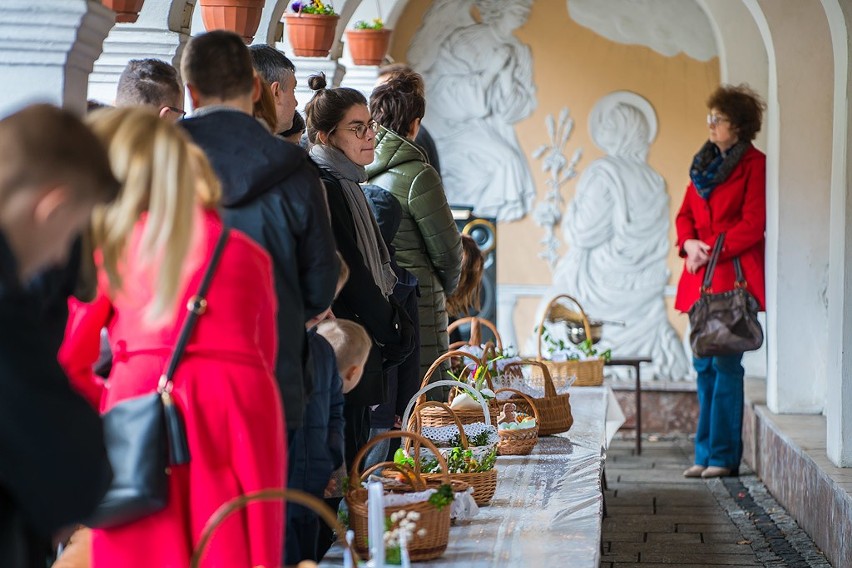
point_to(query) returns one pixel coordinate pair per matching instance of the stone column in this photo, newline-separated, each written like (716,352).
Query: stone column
(47,49)
(161,32)
(838,407)
(307,66)
(799,149)
(361,77)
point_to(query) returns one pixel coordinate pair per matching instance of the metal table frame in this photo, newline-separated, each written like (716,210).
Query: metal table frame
(636,363)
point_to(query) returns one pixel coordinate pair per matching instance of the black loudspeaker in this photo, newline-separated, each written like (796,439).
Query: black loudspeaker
(483,230)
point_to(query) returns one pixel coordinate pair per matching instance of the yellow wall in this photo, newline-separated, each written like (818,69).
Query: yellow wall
(574,67)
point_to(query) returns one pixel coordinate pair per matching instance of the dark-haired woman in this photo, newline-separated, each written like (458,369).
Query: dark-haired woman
(727,195)
(428,243)
(343,136)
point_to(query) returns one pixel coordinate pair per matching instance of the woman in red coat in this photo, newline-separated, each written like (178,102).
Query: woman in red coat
(153,246)
(727,195)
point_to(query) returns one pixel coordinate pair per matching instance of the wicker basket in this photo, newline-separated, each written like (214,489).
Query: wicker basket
(476,324)
(488,348)
(415,424)
(519,442)
(588,373)
(484,483)
(292,495)
(436,522)
(439,416)
(554,410)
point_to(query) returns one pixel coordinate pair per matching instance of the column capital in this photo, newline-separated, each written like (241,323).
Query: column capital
(57,70)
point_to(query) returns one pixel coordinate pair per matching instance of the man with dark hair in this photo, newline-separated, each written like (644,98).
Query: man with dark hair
(54,469)
(280,74)
(153,83)
(423,138)
(271,191)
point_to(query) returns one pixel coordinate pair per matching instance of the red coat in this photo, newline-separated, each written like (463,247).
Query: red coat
(227,393)
(736,207)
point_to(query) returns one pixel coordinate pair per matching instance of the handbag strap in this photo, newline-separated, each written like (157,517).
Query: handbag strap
(711,266)
(196,306)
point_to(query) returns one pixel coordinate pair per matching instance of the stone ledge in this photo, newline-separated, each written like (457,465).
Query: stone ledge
(788,452)
(667,407)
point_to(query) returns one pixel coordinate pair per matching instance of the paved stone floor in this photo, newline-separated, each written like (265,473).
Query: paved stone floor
(657,518)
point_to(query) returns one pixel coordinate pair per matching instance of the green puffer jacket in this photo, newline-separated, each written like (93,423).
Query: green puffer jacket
(428,243)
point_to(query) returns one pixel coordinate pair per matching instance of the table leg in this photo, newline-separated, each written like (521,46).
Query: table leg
(638,411)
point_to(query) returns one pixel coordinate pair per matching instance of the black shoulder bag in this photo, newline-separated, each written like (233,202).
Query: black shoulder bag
(726,323)
(146,435)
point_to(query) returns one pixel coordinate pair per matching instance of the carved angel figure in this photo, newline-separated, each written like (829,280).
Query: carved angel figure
(479,83)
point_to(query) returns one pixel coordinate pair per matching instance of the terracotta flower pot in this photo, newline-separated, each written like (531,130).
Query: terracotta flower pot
(126,11)
(311,35)
(239,16)
(368,47)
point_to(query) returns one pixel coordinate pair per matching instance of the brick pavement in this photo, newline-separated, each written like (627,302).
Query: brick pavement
(658,518)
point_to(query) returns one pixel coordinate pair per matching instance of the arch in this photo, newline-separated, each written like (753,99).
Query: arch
(267,30)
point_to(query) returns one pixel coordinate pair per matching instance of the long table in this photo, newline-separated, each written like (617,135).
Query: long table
(548,505)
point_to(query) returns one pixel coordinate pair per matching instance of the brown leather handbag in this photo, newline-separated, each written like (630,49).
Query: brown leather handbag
(726,323)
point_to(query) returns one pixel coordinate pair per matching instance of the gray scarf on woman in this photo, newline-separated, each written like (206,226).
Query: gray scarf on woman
(369,239)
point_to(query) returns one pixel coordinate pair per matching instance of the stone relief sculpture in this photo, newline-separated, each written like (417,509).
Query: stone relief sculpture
(617,230)
(478,85)
(560,170)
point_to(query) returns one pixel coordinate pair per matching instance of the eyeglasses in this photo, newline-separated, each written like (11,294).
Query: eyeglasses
(715,119)
(180,112)
(361,129)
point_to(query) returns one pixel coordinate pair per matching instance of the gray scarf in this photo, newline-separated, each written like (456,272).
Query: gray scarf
(369,238)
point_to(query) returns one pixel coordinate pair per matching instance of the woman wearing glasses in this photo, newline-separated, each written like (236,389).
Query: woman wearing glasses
(427,242)
(727,195)
(343,136)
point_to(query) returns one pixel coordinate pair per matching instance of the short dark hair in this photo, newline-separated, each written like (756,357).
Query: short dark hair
(742,106)
(397,102)
(218,65)
(42,144)
(271,64)
(298,125)
(328,106)
(148,82)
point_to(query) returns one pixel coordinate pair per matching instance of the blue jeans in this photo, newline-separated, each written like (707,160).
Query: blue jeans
(718,441)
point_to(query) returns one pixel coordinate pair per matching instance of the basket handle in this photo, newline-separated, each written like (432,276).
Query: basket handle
(355,474)
(447,383)
(550,304)
(527,398)
(446,357)
(411,476)
(475,335)
(291,495)
(549,389)
(445,406)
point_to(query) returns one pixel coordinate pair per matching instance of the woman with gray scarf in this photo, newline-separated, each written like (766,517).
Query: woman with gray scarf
(343,136)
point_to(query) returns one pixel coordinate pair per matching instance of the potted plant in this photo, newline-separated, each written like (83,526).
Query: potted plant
(311,27)
(126,11)
(368,42)
(239,16)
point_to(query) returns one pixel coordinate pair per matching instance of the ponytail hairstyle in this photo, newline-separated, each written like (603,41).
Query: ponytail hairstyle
(153,159)
(327,107)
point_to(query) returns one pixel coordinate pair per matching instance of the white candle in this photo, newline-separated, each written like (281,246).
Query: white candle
(347,556)
(376,523)
(403,550)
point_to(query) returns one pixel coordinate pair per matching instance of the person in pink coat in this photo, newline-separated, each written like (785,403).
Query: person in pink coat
(727,195)
(152,248)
